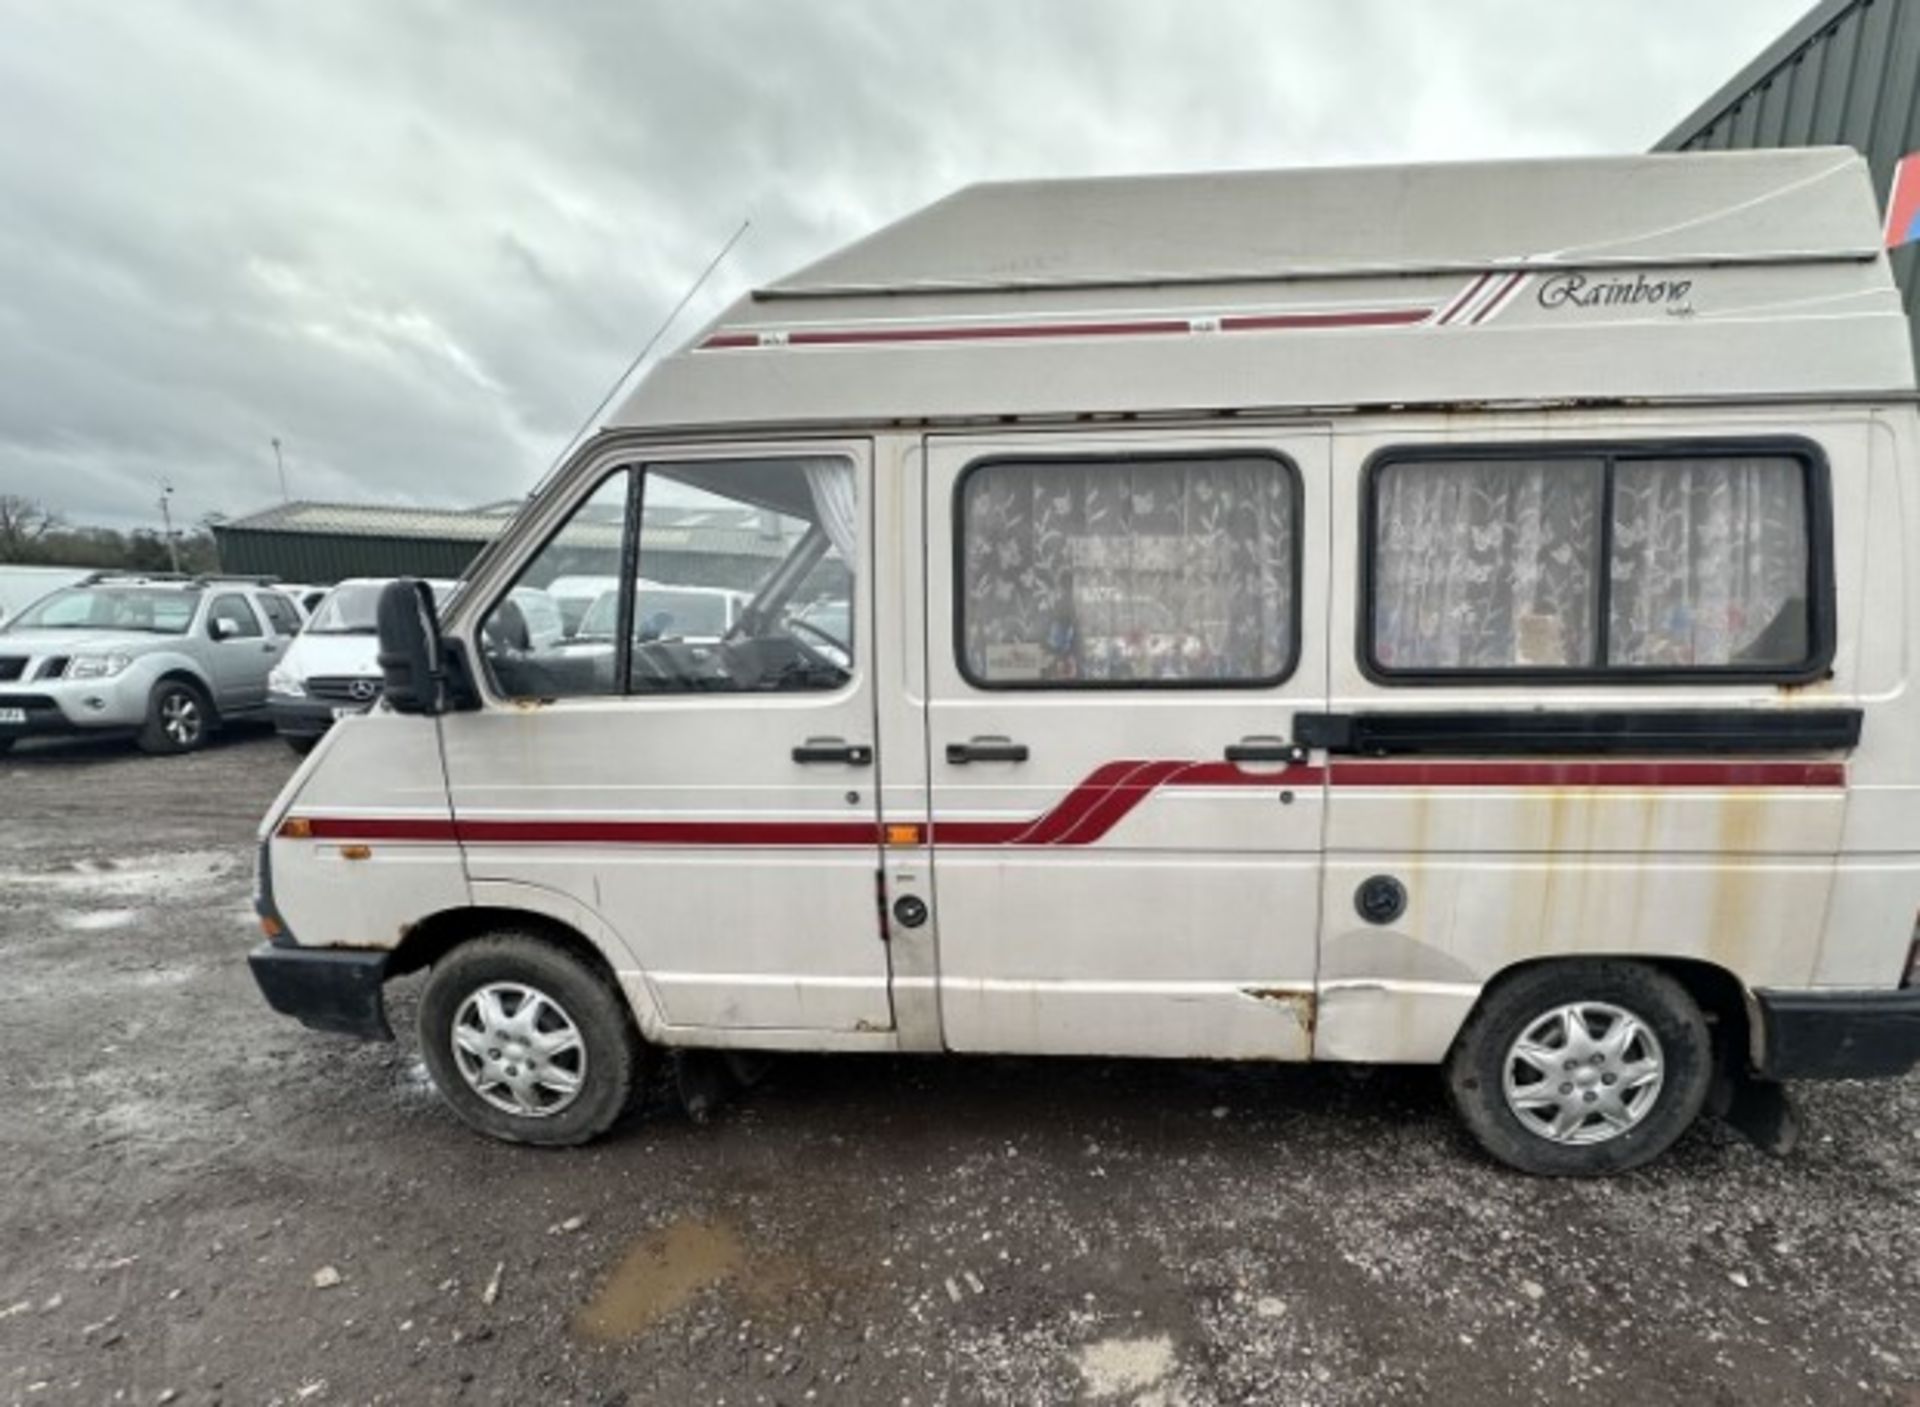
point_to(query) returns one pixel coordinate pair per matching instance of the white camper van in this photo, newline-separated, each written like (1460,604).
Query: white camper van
(1451,614)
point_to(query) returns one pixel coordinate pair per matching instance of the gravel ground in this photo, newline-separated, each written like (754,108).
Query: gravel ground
(202,1202)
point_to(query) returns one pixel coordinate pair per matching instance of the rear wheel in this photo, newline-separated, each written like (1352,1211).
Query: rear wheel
(528,1043)
(178,718)
(1581,1068)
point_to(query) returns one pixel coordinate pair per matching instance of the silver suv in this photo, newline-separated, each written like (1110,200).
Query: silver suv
(165,658)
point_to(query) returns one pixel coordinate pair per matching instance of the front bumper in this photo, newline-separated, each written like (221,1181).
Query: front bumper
(328,989)
(55,706)
(1840,1035)
(43,717)
(304,718)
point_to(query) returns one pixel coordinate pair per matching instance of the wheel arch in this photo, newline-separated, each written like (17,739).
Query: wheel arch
(179,673)
(1725,1000)
(429,939)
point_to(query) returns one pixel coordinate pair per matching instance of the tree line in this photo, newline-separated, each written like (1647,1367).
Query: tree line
(33,535)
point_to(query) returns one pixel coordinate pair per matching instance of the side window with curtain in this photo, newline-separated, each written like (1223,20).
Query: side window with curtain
(1168,571)
(1591,562)
(740,580)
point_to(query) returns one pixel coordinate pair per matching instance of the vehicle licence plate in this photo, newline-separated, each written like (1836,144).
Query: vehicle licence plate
(342,712)
(13,715)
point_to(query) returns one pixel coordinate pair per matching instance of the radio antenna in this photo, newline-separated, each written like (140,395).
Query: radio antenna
(586,426)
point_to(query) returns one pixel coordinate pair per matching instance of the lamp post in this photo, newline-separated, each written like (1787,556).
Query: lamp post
(166,518)
(281,465)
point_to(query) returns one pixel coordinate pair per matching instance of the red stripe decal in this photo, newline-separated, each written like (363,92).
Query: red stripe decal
(1117,803)
(1472,291)
(861,336)
(1050,826)
(379,828)
(1498,301)
(1108,795)
(1382,317)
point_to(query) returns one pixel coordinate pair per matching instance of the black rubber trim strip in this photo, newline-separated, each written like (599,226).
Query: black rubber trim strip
(1578,733)
(328,989)
(1840,1035)
(263,904)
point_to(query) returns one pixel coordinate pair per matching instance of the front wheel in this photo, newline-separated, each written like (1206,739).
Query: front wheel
(528,1043)
(1581,1068)
(178,717)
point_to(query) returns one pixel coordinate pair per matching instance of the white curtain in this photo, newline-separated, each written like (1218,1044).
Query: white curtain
(1130,570)
(1486,564)
(836,505)
(1494,564)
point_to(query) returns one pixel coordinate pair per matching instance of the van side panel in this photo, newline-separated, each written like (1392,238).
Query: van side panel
(349,890)
(1876,894)
(1728,860)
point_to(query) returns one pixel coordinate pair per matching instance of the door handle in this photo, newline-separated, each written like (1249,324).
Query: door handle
(1265,749)
(992,749)
(833,750)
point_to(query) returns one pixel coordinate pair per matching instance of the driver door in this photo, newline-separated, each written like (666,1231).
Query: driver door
(696,774)
(240,655)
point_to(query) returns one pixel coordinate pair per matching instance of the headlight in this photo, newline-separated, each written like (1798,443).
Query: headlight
(96,666)
(286,683)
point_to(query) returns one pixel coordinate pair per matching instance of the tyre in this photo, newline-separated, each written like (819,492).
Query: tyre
(301,746)
(178,718)
(1581,1068)
(528,1043)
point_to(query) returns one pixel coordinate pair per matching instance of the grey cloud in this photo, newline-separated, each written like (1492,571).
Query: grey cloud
(416,241)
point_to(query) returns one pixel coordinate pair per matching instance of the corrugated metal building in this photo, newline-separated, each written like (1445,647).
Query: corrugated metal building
(323,542)
(1848,74)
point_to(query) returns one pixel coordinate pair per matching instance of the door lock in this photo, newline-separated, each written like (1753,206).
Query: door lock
(909,911)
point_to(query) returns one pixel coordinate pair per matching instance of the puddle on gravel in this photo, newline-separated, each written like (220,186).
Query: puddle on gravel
(658,1276)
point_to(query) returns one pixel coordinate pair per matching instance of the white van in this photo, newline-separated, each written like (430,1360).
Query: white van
(332,668)
(1453,615)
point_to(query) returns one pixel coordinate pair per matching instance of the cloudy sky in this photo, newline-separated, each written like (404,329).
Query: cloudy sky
(416,239)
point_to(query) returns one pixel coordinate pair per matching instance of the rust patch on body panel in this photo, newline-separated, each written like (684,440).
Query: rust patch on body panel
(1301,1001)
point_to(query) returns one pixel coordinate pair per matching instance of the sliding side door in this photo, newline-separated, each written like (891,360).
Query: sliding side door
(1126,846)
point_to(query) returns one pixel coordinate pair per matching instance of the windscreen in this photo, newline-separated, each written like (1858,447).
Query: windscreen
(348,610)
(351,608)
(160,612)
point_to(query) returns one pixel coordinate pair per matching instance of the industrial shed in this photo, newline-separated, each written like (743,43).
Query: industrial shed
(324,542)
(1848,74)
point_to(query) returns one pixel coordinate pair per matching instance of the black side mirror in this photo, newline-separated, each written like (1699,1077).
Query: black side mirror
(410,648)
